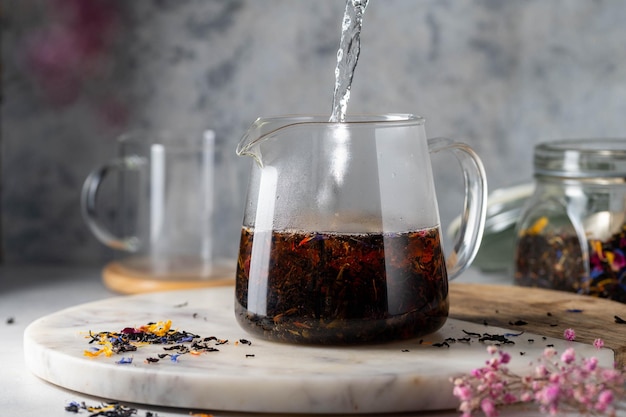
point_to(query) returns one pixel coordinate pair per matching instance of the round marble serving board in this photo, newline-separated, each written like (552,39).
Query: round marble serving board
(262,376)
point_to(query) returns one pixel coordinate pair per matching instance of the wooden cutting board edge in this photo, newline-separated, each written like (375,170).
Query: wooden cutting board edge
(545,312)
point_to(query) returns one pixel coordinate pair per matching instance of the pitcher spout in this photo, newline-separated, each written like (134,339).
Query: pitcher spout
(249,143)
(265,128)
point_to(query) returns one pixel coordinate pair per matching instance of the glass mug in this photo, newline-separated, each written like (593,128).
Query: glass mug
(166,206)
(341,238)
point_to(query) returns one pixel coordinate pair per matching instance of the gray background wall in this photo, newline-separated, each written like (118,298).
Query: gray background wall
(499,75)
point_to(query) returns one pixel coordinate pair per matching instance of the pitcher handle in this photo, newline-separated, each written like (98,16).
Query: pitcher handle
(472,226)
(88,199)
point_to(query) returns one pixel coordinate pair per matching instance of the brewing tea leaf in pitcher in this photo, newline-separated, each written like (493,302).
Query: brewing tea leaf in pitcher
(339,288)
(347,56)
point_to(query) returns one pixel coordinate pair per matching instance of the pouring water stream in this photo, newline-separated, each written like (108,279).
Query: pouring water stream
(347,57)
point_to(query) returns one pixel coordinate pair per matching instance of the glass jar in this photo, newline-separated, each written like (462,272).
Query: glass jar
(571,234)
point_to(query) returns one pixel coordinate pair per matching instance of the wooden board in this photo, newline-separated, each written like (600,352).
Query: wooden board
(546,312)
(121,280)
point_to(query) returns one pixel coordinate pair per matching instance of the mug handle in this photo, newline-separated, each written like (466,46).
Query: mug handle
(474,208)
(88,199)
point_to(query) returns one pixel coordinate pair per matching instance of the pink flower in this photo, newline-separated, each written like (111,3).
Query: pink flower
(568,356)
(497,388)
(488,407)
(605,398)
(549,352)
(548,395)
(493,363)
(526,397)
(491,376)
(569,334)
(598,343)
(556,386)
(590,364)
(541,371)
(462,392)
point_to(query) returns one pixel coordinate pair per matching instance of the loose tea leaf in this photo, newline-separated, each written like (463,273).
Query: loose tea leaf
(109,409)
(553,258)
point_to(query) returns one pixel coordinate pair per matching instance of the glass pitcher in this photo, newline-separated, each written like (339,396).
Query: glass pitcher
(341,239)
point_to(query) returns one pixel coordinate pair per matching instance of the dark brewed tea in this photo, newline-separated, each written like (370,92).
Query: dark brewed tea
(341,288)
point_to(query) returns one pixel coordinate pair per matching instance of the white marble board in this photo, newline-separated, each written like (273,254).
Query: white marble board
(263,376)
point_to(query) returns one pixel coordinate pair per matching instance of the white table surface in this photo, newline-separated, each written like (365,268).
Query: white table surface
(27,293)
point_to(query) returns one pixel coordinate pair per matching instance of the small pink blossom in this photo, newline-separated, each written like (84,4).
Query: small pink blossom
(590,364)
(549,352)
(488,407)
(541,371)
(598,343)
(526,397)
(493,363)
(491,376)
(605,398)
(568,356)
(548,395)
(462,392)
(569,334)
